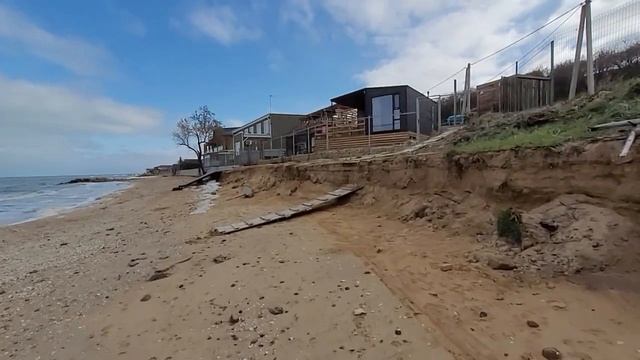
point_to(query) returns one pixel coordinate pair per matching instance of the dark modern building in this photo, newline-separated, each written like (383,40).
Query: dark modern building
(391,108)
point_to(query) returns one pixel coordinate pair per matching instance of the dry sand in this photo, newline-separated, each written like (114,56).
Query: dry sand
(75,287)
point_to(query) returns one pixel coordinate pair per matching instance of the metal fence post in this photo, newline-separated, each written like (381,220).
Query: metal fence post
(439,113)
(551,74)
(455,99)
(369,132)
(418,119)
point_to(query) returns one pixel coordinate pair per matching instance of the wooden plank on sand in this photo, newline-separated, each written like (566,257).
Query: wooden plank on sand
(301,209)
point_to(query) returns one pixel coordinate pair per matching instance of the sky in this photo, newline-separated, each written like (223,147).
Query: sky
(96,87)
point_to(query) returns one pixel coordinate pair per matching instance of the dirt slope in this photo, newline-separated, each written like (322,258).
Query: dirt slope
(418,212)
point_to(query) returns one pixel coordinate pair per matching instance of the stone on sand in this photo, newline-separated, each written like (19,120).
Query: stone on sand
(359,312)
(276,310)
(551,353)
(446,267)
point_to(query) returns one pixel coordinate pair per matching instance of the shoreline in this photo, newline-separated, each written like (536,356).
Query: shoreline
(60,211)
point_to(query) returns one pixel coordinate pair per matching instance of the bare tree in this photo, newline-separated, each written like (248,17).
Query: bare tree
(195,131)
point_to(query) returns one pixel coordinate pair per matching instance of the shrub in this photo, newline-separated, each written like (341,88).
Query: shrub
(509,226)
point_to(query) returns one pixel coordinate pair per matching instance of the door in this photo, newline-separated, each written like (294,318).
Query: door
(382,113)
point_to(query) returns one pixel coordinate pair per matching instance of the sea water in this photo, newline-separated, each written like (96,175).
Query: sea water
(28,198)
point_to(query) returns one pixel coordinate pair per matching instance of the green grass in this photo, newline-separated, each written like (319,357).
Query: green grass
(570,123)
(545,135)
(509,226)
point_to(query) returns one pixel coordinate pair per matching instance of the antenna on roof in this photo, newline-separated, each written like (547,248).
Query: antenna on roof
(270,96)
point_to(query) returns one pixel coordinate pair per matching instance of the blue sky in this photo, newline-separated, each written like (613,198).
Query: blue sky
(96,86)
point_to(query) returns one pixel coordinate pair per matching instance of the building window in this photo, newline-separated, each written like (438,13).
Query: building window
(382,113)
(267,126)
(262,127)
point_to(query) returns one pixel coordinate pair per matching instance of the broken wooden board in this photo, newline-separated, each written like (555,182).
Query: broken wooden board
(630,139)
(288,213)
(631,122)
(213,174)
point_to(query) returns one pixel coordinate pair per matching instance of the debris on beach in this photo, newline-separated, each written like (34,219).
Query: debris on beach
(164,273)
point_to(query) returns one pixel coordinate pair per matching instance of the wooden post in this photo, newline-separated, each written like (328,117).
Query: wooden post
(308,142)
(326,130)
(500,95)
(576,60)
(516,68)
(552,75)
(590,80)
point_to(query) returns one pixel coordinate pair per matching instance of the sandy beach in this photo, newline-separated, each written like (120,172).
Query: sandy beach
(72,287)
(343,283)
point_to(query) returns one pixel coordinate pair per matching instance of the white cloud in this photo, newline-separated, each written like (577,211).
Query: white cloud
(424,42)
(381,16)
(76,55)
(221,24)
(55,128)
(421,42)
(51,108)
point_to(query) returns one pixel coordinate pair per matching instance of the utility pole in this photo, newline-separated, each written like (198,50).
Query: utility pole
(576,59)
(552,75)
(468,88)
(516,68)
(590,80)
(466,94)
(455,99)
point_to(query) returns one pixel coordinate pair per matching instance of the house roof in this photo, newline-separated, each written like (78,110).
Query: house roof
(228,130)
(355,99)
(262,118)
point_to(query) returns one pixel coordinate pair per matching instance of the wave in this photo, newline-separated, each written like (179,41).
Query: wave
(25,207)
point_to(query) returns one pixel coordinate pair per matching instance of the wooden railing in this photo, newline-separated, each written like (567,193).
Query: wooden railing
(364,141)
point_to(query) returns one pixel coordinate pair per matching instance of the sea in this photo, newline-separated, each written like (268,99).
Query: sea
(24,199)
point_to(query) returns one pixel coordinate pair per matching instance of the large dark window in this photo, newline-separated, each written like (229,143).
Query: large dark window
(382,113)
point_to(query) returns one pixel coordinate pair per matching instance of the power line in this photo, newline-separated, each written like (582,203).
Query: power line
(528,35)
(443,81)
(542,42)
(509,45)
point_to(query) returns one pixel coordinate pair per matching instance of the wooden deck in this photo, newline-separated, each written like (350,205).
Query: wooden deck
(301,209)
(363,141)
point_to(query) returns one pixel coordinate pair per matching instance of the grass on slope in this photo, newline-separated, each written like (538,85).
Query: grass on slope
(568,122)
